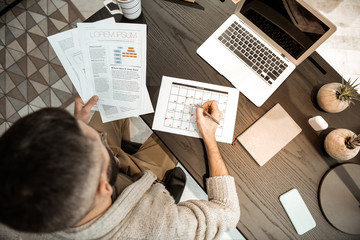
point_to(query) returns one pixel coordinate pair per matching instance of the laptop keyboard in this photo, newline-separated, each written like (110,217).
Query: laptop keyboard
(274,32)
(255,54)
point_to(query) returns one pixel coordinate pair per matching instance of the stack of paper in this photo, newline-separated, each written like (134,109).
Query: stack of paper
(107,59)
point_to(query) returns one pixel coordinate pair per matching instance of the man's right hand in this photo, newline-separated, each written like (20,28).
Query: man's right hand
(206,125)
(207,128)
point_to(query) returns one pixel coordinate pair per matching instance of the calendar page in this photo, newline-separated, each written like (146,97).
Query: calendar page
(176,107)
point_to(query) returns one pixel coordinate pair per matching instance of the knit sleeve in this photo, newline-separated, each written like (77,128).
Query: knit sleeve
(200,219)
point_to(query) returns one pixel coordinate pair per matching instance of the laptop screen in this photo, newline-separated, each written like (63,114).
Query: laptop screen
(286,22)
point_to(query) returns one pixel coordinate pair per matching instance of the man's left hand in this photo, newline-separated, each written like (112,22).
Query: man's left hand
(82,110)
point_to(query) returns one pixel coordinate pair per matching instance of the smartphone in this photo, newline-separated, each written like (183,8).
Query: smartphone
(297,211)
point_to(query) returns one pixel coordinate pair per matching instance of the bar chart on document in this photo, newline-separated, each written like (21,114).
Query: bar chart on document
(176,107)
(127,54)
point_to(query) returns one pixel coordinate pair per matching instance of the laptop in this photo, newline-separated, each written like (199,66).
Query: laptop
(260,45)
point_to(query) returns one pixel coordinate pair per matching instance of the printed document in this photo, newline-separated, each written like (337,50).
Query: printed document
(113,60)
(110,62)
(68,41)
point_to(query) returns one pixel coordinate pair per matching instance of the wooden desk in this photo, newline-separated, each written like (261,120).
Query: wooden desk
(175,31)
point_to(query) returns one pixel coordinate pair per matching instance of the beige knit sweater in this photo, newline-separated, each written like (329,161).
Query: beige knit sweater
(145,210)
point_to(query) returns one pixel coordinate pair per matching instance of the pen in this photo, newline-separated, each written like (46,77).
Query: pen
(208,114)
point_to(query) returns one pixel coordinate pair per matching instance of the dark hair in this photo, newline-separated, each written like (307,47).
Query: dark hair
(46,172)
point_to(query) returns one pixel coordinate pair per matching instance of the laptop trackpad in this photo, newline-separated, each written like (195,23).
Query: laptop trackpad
(228,65)
(242,77)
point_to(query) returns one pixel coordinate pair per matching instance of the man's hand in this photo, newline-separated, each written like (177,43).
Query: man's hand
(82,110)
(207,128)
(206,125)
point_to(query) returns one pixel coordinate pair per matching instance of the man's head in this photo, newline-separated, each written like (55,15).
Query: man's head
(51,170)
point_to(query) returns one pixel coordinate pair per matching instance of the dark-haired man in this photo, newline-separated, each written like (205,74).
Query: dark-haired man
(60,180)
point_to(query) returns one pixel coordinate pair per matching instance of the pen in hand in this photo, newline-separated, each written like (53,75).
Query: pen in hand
(208,114)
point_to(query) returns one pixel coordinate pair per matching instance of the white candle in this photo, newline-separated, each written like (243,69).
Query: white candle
(318,123)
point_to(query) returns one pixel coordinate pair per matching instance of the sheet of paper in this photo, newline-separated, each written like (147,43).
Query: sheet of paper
(111,113)
(60,43)
(176,113)
(69,41)
(114,62)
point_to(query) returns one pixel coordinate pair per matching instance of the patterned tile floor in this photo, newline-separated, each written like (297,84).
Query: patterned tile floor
(31,76)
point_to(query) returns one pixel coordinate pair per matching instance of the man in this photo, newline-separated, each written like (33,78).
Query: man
(58,180)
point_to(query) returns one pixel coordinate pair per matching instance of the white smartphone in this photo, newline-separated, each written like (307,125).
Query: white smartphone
(297,211)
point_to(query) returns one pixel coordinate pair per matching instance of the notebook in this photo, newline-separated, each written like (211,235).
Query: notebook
(260,45)
(269,134)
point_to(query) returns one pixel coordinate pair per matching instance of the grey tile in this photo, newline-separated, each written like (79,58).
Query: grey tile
(31,68)
(23,88)
(60,72)
(17,11)
(24,111)
(16,94)
(45,96)
(16,79)
(17,55)
(68,83)
(17,31)
(36,30)
(9,37)
(40,77)
(16,69)
(55,101)
(88,9)
(43,25)
(71,108)
(37,103)
(39,87)
(30,21)
(9,60)
(22,17)
(2,81)
(2,107)
(60,85)
(13,118)
(53,76)
(2,35)
(9,109)
(44,48)
(36,9)
(14,23)
(2,128)
(9,85)
(61,95)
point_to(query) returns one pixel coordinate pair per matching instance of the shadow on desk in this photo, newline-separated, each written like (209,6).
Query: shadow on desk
(187,4)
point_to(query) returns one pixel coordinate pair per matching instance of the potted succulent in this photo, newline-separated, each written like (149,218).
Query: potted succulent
(336,97)
(342,144)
